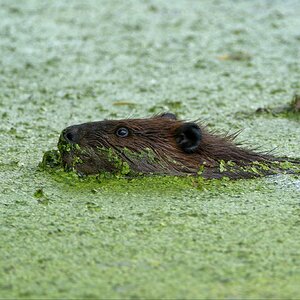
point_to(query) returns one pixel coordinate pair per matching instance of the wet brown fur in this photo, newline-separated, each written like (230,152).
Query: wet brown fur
(159,134)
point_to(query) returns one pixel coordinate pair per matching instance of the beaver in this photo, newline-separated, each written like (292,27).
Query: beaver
(161,145)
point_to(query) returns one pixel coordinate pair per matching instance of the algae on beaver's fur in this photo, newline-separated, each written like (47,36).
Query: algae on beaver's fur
(52,159)
(121,167)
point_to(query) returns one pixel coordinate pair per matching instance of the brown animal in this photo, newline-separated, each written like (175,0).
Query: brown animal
(160,145)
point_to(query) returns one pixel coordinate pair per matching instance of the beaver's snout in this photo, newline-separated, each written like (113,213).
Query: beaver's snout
(71,134)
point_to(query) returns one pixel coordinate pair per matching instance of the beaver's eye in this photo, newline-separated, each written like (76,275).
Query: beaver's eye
(122,132)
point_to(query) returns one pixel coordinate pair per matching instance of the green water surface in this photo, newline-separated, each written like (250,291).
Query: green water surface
(67,62)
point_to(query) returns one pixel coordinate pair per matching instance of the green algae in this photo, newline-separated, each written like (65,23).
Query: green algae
(51,159)
(154,237)
(120,167)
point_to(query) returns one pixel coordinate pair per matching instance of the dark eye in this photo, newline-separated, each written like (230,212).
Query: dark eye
(122,132)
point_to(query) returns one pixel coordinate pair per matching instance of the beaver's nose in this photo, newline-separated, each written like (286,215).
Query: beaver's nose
(71,134)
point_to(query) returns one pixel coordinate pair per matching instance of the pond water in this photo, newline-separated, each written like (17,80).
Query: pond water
(66,62)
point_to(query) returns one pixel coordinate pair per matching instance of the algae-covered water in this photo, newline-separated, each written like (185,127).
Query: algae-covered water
(66,62)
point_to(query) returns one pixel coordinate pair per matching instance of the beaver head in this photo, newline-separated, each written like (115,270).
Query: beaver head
(157,145)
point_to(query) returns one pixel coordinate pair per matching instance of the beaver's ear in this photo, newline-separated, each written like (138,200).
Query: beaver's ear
(168,115)
(188,137)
